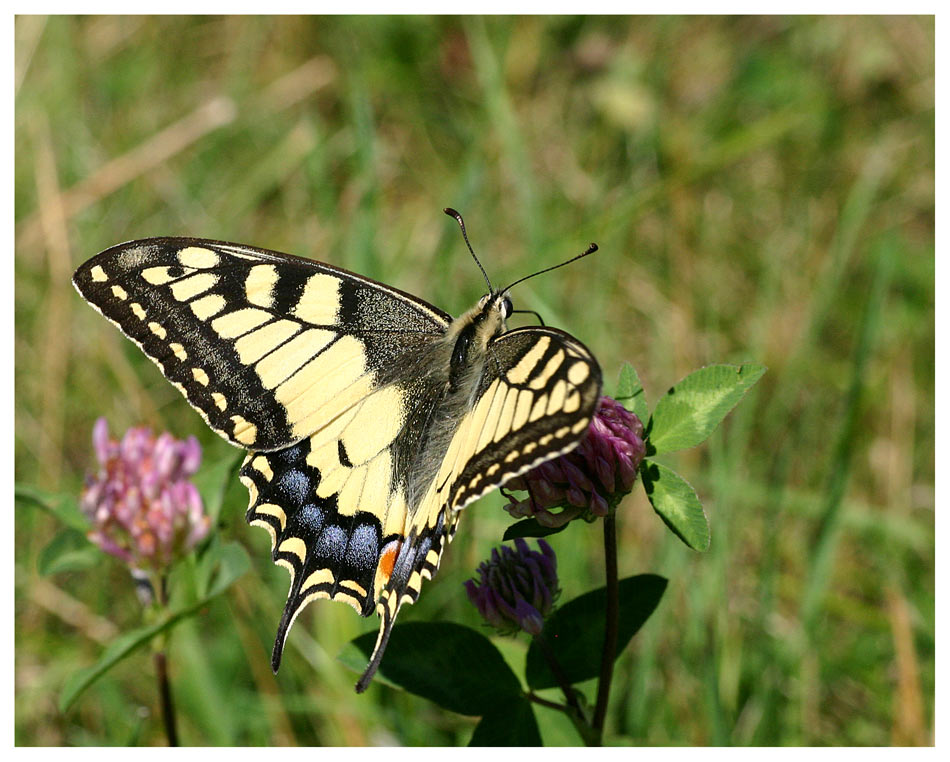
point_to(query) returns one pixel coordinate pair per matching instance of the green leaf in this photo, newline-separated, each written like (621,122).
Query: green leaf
(68,551)
(675,500)
(230,562)
(531,528)
(575,631)
(62,506)
(213,480)
(456,667)
(691,410)
(221,566)
(630,393)
(512,724)
(115,652)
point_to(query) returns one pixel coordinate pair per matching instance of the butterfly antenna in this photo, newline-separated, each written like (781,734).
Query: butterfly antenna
(590,250)
(458,218)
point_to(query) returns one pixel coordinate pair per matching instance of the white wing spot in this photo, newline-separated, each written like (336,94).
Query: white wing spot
(159,276)
(239,322)
(188,288)
(578,373)
(98,274)
(119,293)
(294,545)
(260,463)
(270,509)
(200,376)
(245,432)
(253,346)
(207,306)
(320,300)
(519,374)
(259,285)
(196,256)
(541,380)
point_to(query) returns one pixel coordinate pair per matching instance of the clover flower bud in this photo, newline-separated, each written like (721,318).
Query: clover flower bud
(591,478)
(141,504)
(516,588)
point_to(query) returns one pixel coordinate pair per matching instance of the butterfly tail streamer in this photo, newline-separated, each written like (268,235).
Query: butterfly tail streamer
(382,640)
(286,622)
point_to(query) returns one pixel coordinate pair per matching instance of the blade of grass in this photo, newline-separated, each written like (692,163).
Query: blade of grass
(822,556)
(55,327)
(839,471)
(502,117)
(361,244)
(121,170)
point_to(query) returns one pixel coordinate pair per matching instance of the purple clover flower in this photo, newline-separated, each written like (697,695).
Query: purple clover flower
(591,478)
(517,588)
(141,505)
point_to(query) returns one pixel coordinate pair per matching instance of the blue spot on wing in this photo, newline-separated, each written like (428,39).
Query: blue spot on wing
(309,519)
(362,553)
(292,488)
(332,544)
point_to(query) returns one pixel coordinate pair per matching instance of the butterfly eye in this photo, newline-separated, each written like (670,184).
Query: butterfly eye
(506,307)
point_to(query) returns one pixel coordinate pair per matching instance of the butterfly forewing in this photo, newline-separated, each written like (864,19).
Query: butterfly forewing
(266,346)
(535,401)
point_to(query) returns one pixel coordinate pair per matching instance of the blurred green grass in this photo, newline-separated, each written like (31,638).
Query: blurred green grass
(762,189)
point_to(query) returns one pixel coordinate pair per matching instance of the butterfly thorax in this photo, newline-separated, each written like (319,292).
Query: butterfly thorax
(469,336)
(453,377)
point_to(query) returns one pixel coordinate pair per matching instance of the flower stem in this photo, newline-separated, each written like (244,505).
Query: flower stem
(573,709)
(160,586)
(558,673)
(610,625)
(165,690)
(532,696)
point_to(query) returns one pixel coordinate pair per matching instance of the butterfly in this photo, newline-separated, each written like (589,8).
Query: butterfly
(371,417)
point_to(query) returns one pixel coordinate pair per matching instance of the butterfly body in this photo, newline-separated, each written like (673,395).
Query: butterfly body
(371,417)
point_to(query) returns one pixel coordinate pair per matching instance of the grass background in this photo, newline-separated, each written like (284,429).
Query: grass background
(762,189)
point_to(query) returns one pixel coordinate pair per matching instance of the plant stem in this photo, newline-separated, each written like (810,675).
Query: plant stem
(165,690)
(558,673)
(610,625)
(532,696)
(573,708)
(161,670)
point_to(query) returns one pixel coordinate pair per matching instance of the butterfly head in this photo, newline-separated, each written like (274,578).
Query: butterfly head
(496,304)
(486,320)
(469,335)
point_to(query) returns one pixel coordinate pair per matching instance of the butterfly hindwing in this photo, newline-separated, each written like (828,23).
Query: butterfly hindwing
(266,346)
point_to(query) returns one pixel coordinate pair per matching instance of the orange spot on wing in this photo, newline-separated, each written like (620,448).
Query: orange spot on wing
(387,559)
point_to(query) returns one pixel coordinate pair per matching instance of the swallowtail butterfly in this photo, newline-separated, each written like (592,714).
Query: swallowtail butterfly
(371,417)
